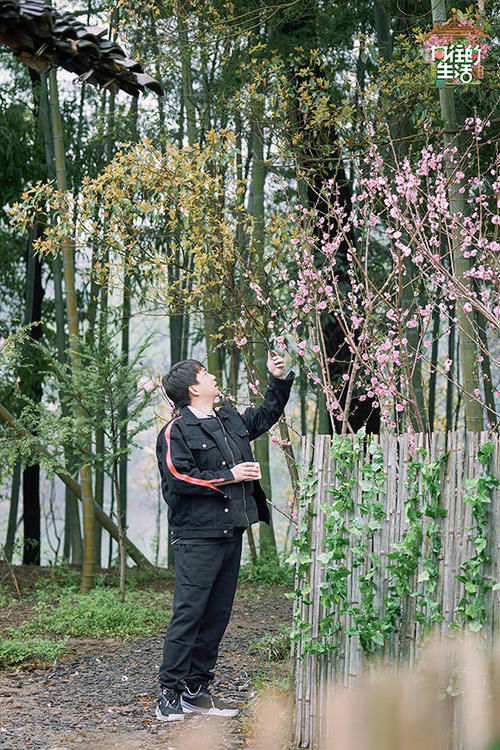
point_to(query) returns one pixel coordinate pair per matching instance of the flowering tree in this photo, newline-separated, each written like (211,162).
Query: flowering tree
(401,212)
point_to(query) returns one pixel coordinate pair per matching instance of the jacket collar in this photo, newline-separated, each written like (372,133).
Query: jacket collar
(188,417)
(191,419)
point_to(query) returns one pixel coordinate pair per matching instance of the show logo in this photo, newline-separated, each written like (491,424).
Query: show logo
(455,50)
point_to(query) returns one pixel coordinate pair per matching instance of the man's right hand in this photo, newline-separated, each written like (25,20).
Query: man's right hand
(245,471)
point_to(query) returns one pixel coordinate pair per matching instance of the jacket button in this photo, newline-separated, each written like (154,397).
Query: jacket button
(226,510)
(204,445)
(223,463)
(225,531)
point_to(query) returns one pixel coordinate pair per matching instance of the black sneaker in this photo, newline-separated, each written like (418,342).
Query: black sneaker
(169,706)
(203,702)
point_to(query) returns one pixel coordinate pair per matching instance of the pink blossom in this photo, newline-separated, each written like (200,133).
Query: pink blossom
(146,384)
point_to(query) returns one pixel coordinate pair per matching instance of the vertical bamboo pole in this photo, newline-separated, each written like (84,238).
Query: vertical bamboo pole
(88,567)
(449,540)
(462,464)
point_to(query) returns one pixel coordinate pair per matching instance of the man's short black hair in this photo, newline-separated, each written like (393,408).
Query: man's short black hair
(178,379)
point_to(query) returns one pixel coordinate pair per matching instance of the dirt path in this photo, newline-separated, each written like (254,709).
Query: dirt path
(103,694)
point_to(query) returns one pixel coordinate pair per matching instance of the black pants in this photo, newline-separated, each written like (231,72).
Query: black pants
(205,583)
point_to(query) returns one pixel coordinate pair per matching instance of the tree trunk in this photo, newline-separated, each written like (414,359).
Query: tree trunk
(158,75)
(400,128)
(72,544)
(30,374)
(187,80)
(13,511)
(433,372)
(450,385)
(267,541)
(31,386)
(489,395)
(31,515)
(126,314)
(468,336)
(319,158)
(119,509)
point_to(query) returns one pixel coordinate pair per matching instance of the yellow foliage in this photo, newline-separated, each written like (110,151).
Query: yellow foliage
(172,215)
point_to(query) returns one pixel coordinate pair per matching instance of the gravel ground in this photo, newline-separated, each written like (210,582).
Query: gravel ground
(103,694)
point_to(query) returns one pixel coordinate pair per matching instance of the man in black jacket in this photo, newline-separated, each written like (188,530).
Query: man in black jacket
(210,483)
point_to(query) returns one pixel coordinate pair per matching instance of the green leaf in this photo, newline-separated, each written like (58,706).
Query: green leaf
(480,544)
(325,557)
(475,626)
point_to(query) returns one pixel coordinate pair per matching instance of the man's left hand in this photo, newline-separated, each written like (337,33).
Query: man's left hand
(275,364)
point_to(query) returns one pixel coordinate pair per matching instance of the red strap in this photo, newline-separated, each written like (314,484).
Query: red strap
(185,477)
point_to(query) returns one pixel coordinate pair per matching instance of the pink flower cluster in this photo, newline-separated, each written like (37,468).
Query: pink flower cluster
(386,271)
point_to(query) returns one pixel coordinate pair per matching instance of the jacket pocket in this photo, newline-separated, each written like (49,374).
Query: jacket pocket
(203,513)
(241,436)
(206,453)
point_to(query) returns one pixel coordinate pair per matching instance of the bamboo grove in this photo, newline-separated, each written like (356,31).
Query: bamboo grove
(299,182)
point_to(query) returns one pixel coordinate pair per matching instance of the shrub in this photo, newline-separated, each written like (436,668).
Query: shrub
(273,646)
(97,614)
(14,650)
(269,572)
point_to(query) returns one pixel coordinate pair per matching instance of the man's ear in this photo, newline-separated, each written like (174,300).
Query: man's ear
(193,390)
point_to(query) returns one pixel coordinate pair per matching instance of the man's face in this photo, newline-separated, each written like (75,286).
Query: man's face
(205,386)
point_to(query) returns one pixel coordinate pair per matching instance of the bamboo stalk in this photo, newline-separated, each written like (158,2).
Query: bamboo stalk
(88,568)
(459,517)
(449,537)
(388,444)
(439,440)
(401,525)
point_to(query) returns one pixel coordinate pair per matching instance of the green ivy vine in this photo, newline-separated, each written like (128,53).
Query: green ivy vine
(357,463)
(472,607)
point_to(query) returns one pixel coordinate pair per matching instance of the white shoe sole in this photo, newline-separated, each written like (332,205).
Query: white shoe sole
(228,713)
(169,717)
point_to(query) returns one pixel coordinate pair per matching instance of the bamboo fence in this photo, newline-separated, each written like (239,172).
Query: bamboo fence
(315,674)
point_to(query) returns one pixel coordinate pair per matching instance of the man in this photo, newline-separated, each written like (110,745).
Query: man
(210,482)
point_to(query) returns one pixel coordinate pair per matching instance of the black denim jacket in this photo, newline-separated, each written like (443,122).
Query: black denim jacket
(190,457)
